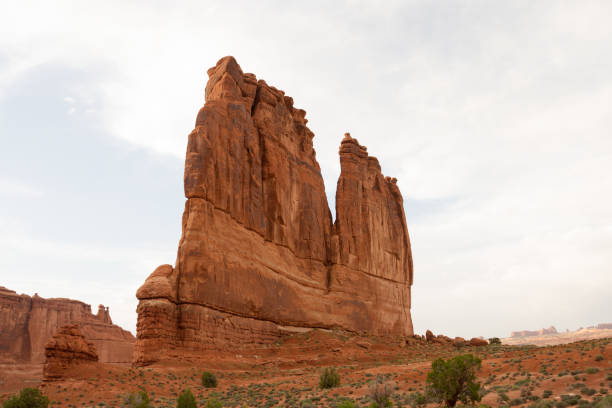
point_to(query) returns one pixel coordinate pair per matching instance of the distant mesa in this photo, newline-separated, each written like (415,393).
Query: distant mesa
(551,336)
(528,333)
(27,323)
(259,253)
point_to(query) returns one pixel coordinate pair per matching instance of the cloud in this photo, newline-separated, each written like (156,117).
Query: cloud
(16,188)
(494,117)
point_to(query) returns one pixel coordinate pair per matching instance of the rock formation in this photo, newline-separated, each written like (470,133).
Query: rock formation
(27,323)
(66,349)
(476,342)
(459,342)
(259,254)
(550,336)
(528,333)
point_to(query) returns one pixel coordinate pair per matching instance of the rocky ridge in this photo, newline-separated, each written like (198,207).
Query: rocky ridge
(27,323)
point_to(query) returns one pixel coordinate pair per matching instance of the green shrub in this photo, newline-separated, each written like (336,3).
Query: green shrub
(494,340)
(329,378)
(605,402)
(27,398)
(417,400)
(381,392)
(599,357)
(454,380)
(213,403)
(542,404)
(502,397)
(346,403)
(570,399)
(186,400)
(137,400)
(546,393)
(209,380)
(592,370)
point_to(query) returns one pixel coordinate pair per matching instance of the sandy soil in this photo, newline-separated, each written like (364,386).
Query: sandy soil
(287,374)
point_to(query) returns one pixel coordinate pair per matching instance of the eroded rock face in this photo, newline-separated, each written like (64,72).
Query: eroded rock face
(27,323)
(66,349)
(258,250)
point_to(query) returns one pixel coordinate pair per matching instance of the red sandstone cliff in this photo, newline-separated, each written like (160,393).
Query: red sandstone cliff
(258,250)
(27,323)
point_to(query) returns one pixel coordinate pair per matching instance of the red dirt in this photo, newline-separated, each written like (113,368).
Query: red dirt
(288,372)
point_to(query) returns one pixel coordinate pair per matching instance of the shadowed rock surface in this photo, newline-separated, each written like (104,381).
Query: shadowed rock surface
(259,255)
(27,323)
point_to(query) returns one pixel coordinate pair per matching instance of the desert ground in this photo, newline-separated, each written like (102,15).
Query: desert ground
(286,374)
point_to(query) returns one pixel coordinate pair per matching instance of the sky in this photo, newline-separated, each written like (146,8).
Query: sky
(494,116)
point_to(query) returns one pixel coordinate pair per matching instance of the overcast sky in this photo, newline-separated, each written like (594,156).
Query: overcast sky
(495,117)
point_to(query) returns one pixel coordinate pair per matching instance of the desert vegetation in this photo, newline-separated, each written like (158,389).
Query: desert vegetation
(366,372)
(27,398)
(453,380)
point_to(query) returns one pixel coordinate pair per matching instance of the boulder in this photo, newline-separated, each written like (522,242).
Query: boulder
(459,342)
(429,336)
(476,341)
(66,349)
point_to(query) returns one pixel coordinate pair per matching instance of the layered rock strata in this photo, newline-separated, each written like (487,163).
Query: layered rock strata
(67,349)
(259,254)
(27,323)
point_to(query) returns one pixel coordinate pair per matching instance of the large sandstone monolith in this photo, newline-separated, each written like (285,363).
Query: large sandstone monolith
(259,254)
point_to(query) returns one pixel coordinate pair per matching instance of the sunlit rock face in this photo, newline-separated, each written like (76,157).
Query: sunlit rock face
(259,253)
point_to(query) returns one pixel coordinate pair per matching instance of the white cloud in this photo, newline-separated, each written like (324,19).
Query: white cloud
(499,110)
(10,187)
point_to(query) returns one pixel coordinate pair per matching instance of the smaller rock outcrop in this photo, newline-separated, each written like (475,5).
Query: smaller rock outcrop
(459,342)
(476,342)
(66,349)
(429,336)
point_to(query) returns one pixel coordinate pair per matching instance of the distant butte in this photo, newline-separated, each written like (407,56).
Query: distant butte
(259,255)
